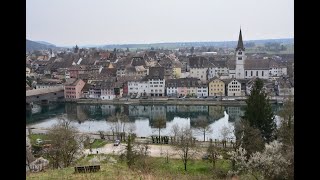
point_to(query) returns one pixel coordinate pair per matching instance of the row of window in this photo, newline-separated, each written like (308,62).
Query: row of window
(70,96)
(156,85)
(70,88)
(234,89)
(156,90)
(216,89)
(217,85)
(262,73)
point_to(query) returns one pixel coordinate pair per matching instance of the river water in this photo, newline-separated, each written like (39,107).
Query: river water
(93,118)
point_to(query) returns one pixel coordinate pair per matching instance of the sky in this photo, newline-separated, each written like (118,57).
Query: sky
(98,22)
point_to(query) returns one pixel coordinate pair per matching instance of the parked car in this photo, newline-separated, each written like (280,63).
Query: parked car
(39,141)
(116,142)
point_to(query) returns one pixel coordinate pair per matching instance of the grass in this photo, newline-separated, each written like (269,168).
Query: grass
(157,169)
(97,143)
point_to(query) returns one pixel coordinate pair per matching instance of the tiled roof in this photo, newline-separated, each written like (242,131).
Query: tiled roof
(156,73)
(257,64)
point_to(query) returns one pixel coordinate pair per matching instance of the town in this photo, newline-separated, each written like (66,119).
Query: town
(196,72)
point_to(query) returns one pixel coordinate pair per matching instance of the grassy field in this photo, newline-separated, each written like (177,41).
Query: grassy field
(155,168)
(97,143)
(34,137)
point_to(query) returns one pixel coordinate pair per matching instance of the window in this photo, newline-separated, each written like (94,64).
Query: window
(262,73)
(251,73)
(256,73)
(240,53)
(239,58)
(246,73)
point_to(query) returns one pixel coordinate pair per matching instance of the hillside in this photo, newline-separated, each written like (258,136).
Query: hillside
(32,45)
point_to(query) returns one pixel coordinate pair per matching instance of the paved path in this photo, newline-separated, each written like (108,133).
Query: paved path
(155,150)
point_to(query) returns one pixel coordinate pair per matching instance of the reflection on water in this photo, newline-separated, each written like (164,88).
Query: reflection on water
(92,118)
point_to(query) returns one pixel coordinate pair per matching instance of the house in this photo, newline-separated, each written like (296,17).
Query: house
(202,89)
(233,87)
(176,69)
(168,67)
(187,87)
(49,83)
(199,67)
(73,90)
(172,87)
(219,69)
(216,87)
(156,81)
(139,86)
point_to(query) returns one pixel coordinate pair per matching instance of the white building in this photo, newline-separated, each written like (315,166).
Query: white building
(233,88)
(202,90)
(138,87)
(240,58)
(156,81)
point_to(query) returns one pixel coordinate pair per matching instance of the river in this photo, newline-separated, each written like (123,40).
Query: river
(92,118)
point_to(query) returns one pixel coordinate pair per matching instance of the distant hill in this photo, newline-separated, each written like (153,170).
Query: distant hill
(226,44)
(46,43)
(33,45)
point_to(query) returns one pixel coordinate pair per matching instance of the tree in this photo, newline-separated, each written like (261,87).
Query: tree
(212,154)
(258,111)
(135,153)
(185,146)
(286,129)
(286,133)
(203,126)
(252,140)
(66,144)
(117,124)
(175,130)
(271,163)
(159,123)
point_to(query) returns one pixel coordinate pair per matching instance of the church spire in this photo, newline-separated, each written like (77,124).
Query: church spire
(240,42)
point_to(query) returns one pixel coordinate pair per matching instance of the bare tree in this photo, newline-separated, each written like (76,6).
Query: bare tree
(203,126)
(212,154)
(131,128)
(175,130)
(185,146)
(159,123)
(65,144)
(226,131)
(117,123)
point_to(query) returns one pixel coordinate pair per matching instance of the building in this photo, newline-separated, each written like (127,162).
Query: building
(186,87)
(138,87)
(156,81)
(49,83)
(216,87)
(233,87)
(172,87)
(202,90)
(73,90)
(240,58)
(199,67)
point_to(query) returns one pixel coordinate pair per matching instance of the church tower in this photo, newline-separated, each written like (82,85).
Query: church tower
(240,58)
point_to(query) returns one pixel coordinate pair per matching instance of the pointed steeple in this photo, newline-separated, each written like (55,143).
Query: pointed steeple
(240,42)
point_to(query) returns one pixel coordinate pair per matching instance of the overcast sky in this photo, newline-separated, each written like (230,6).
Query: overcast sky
(85,22)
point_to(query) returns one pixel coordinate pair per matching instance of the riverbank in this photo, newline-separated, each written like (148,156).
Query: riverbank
(162,101)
